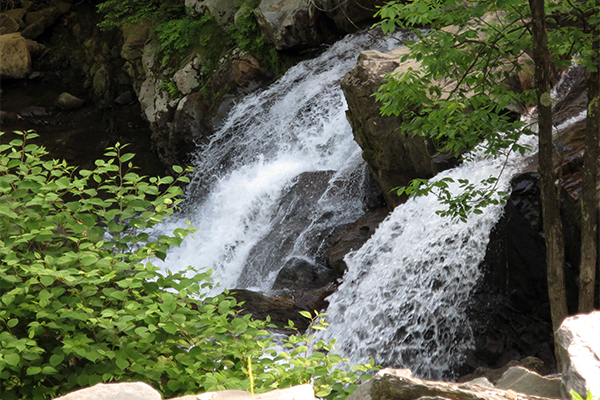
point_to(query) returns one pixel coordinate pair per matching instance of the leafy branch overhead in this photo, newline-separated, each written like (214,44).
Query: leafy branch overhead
(472,64)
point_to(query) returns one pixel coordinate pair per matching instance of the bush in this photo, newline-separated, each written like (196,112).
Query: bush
(82,302)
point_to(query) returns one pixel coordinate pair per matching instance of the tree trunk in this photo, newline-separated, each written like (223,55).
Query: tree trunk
(589,199)
(555,252)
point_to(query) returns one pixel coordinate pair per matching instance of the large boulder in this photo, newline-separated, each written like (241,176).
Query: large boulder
(16,60)
(400,385)
(579,347)
(396,157)
(300,392)
(289,23)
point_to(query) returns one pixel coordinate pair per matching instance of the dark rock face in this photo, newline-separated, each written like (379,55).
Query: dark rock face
(510,308)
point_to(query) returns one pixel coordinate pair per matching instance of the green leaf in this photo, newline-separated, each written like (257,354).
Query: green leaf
(56,359)
(12,359)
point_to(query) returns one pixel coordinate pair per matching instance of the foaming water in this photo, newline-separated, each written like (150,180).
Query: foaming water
(403,298)
(297,125)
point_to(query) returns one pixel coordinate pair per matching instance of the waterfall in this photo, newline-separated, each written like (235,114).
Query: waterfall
(269,139)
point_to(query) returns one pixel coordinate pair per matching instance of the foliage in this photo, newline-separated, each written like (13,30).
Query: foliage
(176,36)
(466,80)
(246,35)
(576,395)
(82,302)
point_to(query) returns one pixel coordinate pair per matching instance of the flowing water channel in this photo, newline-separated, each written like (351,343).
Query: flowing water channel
(403,298)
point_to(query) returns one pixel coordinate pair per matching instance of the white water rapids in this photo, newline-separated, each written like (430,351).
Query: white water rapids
(402,299)
(269,138)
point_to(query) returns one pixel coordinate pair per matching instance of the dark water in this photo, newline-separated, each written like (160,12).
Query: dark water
(80,136)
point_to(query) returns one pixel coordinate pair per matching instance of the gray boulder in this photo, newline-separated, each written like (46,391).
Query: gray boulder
(300,392)
(289,23)
(579,349)
(223,10)
(524,381)
(16,60)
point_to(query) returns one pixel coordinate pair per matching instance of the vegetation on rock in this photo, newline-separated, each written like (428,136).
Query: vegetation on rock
(83,303)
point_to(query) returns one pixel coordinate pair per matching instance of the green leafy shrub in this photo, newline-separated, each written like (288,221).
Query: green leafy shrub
(82,302)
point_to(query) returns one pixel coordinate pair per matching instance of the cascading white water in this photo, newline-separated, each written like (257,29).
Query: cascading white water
(404,296)
(271,137)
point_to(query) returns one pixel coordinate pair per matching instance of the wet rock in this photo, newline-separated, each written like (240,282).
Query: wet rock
(33,111)
(8,24)
(395,158)
(190,125)
(579,349)
(69,102)
(299,274)
(16,60)
(290,221)
(101,83)
(352,239)
(280,309)
(245,70)
(115,391)
(288,24)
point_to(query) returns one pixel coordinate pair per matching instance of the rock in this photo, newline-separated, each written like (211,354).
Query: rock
(38,21)
(190,125)
(222,10)
(352,239)
(101,83)
(16,60)
(33,111)
(245,69)
(300,392)
(395,157)
(7,117)
(493,375)
(288,23)
(124,98)
(69,102)
(187,78)
(135,39)
(289,222)
(8,24)
(349,15)
(579,349)
(115,391)
(280,309)
(16,13)
(35,49)
(527,382)
(299,274)
(386,385)
(483,382)
(363,392)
